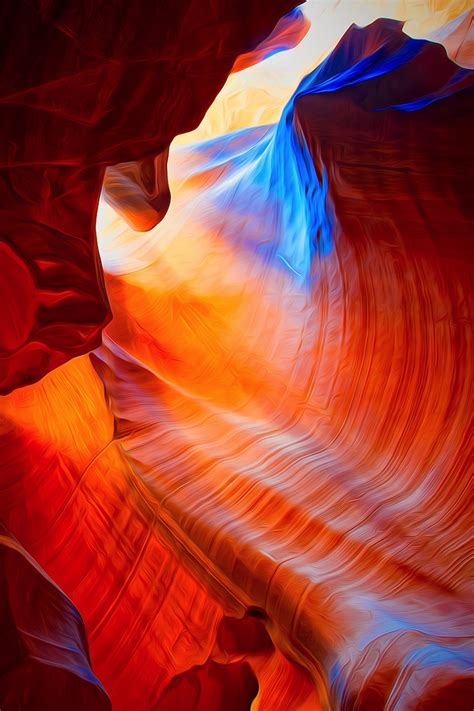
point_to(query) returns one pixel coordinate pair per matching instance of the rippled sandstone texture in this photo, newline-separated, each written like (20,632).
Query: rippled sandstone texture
(159,631)
(85,85)
(303,419)
(271,505)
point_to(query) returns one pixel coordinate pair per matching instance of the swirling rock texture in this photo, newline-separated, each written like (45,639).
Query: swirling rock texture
(256,490)
(85,85)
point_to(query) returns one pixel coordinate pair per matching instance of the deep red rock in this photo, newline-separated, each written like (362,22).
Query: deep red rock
(85,85)
(44,657)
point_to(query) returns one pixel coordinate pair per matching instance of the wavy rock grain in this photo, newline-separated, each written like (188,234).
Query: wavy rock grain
(302,420)
(273,497)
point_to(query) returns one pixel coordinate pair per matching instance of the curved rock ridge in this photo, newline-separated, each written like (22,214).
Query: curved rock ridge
(457,37)
(44,657)
(290,374)
(288,33)
(256,490)
(84,86)
(158,626)
(139,191)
